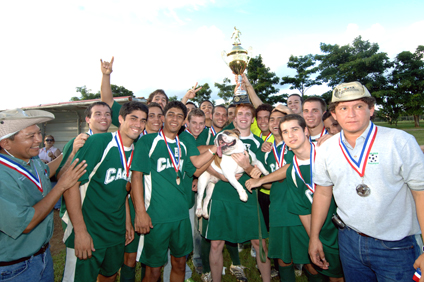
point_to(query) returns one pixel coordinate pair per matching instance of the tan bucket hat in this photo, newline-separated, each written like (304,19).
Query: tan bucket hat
(12,121)
(349,91)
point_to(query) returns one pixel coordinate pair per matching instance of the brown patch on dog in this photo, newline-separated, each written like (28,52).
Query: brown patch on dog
(217,160)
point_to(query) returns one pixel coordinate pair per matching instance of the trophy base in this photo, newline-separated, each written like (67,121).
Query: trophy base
(241,99)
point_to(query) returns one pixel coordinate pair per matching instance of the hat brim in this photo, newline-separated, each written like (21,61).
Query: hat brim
(10,125)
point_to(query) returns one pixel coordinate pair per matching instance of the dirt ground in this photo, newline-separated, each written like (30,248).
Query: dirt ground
(56,243)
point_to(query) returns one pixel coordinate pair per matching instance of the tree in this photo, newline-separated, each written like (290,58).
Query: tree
(408,80)
(226,90)
(203,94)
(263,81)
(117,91)
(360,61)
(305,67)
(390,109)
(173,98)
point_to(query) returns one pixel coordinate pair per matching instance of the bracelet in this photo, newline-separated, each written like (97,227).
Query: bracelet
(211,152)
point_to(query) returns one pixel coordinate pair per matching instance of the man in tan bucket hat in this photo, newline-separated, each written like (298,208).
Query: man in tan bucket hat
(376,176)
(26,197)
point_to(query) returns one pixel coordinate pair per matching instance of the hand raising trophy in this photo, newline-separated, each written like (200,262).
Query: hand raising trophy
(237,60)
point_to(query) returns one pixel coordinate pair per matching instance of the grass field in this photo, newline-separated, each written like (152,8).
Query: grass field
(408,126)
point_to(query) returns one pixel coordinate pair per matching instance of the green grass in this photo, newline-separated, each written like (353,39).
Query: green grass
(408,126)
(251,272)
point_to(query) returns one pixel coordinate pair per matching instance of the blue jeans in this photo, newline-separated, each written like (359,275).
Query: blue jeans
(38,268)
(369,259)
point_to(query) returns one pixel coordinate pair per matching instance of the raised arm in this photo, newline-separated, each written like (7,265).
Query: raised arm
(245,84)
(190,94)
(54,164)
(105,89)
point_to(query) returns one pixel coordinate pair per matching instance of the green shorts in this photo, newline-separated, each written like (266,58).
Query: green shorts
(333,258)
(289,243)
(133,246)
(177,236)
(234,222)
(105,261)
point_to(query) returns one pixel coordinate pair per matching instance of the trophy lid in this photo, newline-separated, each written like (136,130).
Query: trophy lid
(237,49)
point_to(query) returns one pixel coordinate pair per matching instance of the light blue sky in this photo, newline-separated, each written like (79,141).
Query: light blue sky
(49,47)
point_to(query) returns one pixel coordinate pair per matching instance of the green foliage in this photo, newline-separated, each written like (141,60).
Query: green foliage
(226,90)
(360,61)
(305,67)
(263,81)
(173,98)
(117,91)
(203,94)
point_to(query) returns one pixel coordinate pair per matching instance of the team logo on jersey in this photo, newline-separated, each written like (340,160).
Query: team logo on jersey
(164,163)
(112,174)
(373,158)
(247,146)
(176,152)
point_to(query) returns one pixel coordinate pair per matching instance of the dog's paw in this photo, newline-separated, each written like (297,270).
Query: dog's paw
(199,212)
(243,196)
(205,213)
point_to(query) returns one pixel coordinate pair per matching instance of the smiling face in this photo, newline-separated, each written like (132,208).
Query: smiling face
(207,108)
(196,125)
(219,117)
(312,112)
(231,114)
(293,134)
(274,122)
(155,120)
(244,118)
(25,144)
(174,119)
(160,99)
(48,141)
(353,116)
(295,104)
(332,126)
(132,126)
(262,118)
(226,142)
(100,119)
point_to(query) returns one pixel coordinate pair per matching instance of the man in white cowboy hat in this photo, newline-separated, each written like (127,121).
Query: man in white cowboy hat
(376,177)
(26,197)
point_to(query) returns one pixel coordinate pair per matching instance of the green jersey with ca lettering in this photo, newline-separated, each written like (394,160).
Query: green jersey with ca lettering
(103,192)
(278,213)
(165,200)
(301,203)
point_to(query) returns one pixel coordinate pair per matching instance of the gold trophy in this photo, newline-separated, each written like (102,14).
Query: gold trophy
(237,60)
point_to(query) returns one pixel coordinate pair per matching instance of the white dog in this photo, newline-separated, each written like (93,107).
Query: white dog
(228,143)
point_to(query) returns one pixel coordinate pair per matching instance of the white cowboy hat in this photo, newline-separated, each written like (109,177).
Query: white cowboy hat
(349,91)
(12,121)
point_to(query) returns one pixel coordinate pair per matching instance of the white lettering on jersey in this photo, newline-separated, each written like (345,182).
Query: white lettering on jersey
(110,175)
(272,166)
(164,163)
(308,194)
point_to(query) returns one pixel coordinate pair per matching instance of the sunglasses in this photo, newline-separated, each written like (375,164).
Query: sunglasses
(49,140)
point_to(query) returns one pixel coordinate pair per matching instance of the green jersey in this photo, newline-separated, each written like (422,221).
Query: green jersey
(301,203)
(278,213)
(164,198)
(103,191)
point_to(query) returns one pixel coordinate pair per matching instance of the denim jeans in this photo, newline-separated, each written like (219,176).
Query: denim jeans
(369,259)
(38,268)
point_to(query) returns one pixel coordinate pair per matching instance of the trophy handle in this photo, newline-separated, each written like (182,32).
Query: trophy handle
(250,54)
(224,57)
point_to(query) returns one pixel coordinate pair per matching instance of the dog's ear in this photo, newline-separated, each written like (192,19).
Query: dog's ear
(236,131)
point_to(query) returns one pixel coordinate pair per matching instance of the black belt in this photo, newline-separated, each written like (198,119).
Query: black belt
(40,251)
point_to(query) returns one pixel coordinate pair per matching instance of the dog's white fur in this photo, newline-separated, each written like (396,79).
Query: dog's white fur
(229,168)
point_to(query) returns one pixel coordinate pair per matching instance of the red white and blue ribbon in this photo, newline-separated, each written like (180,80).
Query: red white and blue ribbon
(323,132)
(90,132)
(360,165)
(126,164)
(267,137)
(311,185)
(188,131)
(175,161)
(22,170)
(417,275)
(213,130)
(143,133)
(279,156)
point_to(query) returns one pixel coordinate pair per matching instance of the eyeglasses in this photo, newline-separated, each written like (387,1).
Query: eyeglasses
(49,140)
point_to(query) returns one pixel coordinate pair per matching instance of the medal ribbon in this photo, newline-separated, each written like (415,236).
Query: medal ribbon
(188,131)
(360,165)
(90,132)
(143,133)
(311,186)
(323,132)
(279,156)
(126,164)
(175,161)
(213,130)
(22,170)
(267,137)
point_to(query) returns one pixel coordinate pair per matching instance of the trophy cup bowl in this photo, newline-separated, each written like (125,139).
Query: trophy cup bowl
(237,60)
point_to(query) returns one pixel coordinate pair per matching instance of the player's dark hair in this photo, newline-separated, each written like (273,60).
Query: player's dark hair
(131,106)
(154,93)
(263,107)
(326,115)
(316,99)
(155,105)
(191,103)
(231,106)
(370,101)
(290,117)
(200,105)
(195,113)
(219,106)
(88,112)
(176,104)
(301,99)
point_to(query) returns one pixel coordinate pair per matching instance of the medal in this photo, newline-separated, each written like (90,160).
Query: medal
(279,156)
(125,164)
(267,137)
(359,166)
(175,160)
(363,190)
(311,186)
(22,170)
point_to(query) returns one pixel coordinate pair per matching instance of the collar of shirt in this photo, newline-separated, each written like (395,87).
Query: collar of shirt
(359,141)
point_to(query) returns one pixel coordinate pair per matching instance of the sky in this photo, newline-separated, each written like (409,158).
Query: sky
(48,48)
